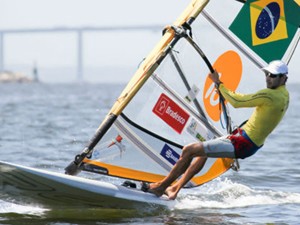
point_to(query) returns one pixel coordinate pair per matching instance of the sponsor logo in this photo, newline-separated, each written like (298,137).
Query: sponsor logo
(171,113)
(169,154)
(230,76)
(196,130)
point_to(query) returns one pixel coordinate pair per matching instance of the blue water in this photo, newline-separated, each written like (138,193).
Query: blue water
(44,125)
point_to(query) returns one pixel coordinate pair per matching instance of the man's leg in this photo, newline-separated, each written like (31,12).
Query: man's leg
(193,169)
(188,153)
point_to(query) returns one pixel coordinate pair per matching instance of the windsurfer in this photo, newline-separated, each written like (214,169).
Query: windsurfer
(270,106)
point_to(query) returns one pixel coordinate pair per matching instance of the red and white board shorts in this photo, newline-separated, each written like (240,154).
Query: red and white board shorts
(235,145)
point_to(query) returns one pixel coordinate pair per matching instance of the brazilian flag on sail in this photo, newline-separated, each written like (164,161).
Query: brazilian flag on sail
(267,26)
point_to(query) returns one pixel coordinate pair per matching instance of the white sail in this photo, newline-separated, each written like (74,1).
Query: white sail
(171,102)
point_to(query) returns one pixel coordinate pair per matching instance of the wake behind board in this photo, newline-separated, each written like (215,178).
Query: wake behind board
(51,189)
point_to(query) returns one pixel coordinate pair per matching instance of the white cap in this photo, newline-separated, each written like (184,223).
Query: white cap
(276,67)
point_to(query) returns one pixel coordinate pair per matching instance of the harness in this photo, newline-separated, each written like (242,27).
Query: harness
(243,145)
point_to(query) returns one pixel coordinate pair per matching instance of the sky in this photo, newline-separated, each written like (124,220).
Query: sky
(23,51)
(119,51)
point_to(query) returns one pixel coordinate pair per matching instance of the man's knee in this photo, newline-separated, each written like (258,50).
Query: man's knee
(192,150)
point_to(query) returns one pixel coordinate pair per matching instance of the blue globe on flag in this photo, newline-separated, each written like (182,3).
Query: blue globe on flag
(267,20)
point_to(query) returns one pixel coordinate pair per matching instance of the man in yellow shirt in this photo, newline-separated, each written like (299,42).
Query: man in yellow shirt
(270,106)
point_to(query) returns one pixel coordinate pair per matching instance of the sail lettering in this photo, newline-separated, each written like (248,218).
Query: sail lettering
(169,154)
(171,113)
(212,95)
(175,115)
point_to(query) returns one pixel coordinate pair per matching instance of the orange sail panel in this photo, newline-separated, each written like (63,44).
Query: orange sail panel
(127,173)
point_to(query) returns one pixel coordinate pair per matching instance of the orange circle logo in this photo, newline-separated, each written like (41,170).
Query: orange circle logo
(229,66)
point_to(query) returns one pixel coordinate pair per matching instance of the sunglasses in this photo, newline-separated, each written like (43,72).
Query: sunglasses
(273,75)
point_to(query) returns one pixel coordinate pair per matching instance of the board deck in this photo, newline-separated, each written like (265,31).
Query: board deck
(51,189)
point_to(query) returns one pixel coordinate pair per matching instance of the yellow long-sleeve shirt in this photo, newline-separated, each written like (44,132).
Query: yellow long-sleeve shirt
(270,106)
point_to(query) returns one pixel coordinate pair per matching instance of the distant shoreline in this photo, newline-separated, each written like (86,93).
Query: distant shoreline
(11,77)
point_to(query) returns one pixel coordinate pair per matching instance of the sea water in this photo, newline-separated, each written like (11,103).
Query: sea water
(45,125)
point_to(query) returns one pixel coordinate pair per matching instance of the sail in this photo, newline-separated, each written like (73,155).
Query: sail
(171,102)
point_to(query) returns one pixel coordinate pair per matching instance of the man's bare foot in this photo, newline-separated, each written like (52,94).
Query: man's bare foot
(156,189)
(171,192)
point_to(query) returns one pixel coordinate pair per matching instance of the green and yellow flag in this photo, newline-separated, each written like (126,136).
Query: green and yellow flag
(267,26)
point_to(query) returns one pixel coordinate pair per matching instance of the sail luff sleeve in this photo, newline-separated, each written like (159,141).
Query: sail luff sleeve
(192,11)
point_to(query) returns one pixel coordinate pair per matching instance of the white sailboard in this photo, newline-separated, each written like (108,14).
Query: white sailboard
(170,101)
(32,186)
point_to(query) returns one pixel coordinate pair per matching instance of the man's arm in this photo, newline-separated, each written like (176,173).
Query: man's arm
(240,100)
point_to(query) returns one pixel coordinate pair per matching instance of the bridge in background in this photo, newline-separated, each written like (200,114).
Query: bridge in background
(78,31)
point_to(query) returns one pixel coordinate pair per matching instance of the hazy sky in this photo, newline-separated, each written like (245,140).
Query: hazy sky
(100,49)
(35,13)
(109,49)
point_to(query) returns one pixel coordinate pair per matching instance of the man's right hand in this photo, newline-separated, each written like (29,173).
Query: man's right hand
(215,77)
